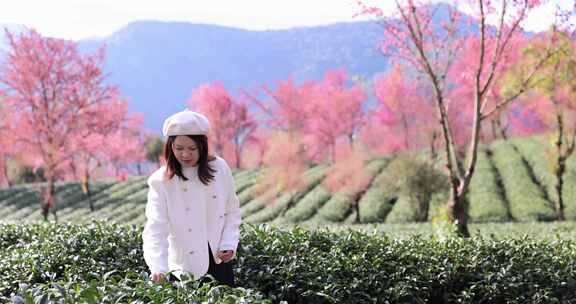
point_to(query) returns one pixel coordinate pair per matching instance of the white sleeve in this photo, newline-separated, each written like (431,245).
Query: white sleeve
(155,234)
(232,216)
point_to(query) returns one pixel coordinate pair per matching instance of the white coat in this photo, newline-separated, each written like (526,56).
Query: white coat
(182,217)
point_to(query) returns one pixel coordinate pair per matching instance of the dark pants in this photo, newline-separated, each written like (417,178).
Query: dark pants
(223,273)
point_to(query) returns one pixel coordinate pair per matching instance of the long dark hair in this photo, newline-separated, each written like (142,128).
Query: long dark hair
(205,170)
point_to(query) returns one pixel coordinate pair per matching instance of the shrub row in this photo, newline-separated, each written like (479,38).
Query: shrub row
(245,180)
(313,178)
(527,200)
(307,207)
(339,206)
(375,204)
(100,263)
(488,201)
(265,200)
(96,263)
(352,267)
(534,151)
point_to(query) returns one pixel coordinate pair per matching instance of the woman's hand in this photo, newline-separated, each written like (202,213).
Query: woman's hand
(158,277)
(225,255)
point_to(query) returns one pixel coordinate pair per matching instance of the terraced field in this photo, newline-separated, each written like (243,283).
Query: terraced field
(513,182)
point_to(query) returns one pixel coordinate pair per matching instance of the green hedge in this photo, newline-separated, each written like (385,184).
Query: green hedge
(244,181)
(101,263)
(339,206)
(488,201)
(313,178)
(528,202)
(375,204)
(307,206)
(352,267)
(533,149)
(95,263)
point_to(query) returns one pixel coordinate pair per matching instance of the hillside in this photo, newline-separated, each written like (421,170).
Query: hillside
(512,183)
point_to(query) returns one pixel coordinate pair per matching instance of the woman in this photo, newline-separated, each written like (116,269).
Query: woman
(192,214)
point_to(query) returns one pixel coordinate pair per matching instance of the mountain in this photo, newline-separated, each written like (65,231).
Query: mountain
(158,64)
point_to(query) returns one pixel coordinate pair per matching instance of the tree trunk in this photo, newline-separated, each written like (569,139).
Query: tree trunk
(238,152)
(406,135)
(502,130)
(497,128)
(86,189)
(5,173)
(54,214)
(425,210)
(356,205)
(494,129)
(48,195)
(561,163)
(433,152)
(559,189)
(458,212)
(456,206)
(332,150)
(351,140)
(423,206)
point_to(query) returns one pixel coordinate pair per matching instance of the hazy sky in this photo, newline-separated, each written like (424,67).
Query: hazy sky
(77,19)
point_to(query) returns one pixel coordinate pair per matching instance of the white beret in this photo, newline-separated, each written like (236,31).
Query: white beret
(186,123)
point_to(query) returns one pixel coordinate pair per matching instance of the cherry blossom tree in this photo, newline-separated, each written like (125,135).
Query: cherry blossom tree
(283,109)
(318,113)
(413,37)
(284,169)
(404,110)
(256,147)
(52,92)
(6,148)
(127,146)
(108,138)
(231,123)
(333,111)
(555,102)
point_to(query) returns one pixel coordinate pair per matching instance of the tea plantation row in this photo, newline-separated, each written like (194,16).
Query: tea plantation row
(513,182)
(102,263)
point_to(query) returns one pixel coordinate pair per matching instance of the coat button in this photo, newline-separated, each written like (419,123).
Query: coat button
(191,252)
(189,229)
(187,208)
(221,216)
(213,196)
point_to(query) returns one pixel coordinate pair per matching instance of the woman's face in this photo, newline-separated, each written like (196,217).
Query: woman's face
(186,151)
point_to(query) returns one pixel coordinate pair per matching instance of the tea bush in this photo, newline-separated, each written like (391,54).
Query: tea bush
(102,263)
